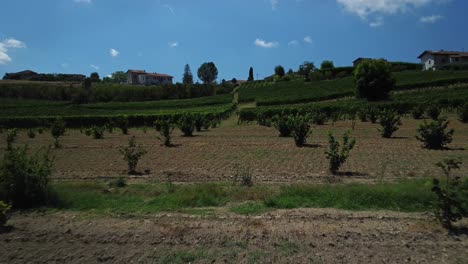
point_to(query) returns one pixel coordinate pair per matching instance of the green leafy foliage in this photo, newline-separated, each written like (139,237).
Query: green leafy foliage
(122,123)
(4,209)
(132,154)
(279,71)
(463,113)
(433,112)
(208,72)
(187,124)
(300,129)
(417,112)
(12,134)
(24,178)
(338,153)
(97,132)
(434,135)
(31,133)
(374,80)
(449,206)
(281,123)
(57,130)
(390,122)
(165,128)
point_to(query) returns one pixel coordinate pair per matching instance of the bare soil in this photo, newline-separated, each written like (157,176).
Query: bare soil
(292,236)
(217,154)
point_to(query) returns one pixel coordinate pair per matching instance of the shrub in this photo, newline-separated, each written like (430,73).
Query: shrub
(98,132)
(165,128)
(374,80)
(31,133)
(281,123)
(390,122)
(57,130)
(463,113)
(433,135)
(336,155)
(24,178)
(199,121)
(373,114)
(4,209)
(300,129)
(319,118)
(244,176)
(12,134)
(187,124)
(122,123)
(362,114)
(132,154)
(417,112)
(449,205)
(433,112)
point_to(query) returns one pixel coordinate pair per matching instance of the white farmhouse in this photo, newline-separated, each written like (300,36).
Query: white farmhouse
(432,60)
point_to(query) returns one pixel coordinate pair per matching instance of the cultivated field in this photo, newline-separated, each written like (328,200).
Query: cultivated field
(217,154)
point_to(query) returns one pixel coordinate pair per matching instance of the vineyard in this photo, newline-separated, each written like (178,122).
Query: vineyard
(298,91)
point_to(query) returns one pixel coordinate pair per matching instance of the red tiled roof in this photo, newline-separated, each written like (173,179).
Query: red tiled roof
(159,75)
(150,74)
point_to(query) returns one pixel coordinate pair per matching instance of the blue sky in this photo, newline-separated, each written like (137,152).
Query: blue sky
(82,36)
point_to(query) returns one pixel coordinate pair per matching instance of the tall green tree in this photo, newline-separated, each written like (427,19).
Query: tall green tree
(306,68)
(251,75)
(327,65)
(95,77)
(188,77)
(208,72)
(374,80)
(279,71)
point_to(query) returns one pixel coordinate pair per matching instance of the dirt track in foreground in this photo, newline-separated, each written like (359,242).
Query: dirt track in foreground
(293,236)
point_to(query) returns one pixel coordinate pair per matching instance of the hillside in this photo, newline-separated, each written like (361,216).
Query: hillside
(298,91)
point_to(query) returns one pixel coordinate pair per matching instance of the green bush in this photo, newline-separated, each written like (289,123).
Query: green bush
(199,122)
(98,132)
(433,135)
(390,122)
(319,118)
(12,134)
(31,133)
(336,155)
(449,206)
(57,130)
(165,128)
(132,154)
(24,178)
(281,123)
(463,113)
(374,80)
(300,129)
(187,124)
(433,112)
(417,112)
(373,114)
(122,122)
(4,209)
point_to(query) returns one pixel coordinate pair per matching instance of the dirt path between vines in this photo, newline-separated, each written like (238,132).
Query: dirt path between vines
(283,236)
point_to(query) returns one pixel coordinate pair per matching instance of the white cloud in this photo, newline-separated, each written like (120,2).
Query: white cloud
(94,66)
(265,44)
(308,39)
(430,19)
(378,22)
(274,4)
(363,8)
(293,43)
(83,1)
(114,52)
(170,9)
(7,44)
(174,44)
